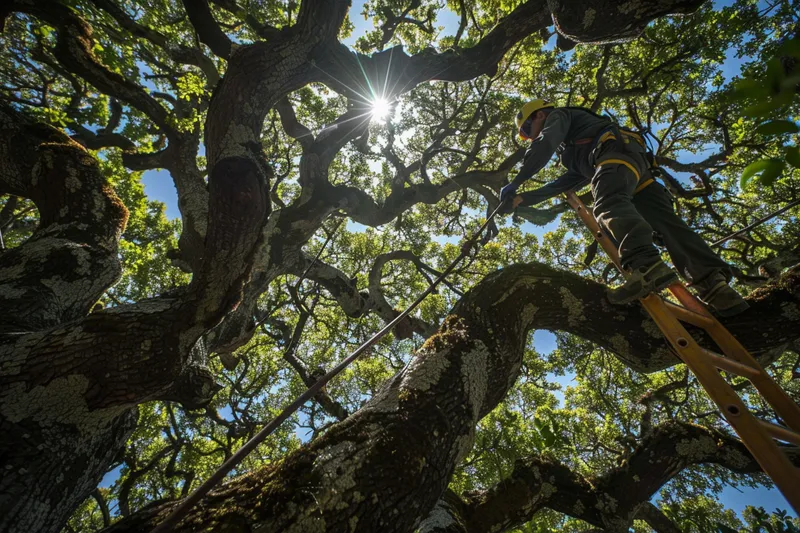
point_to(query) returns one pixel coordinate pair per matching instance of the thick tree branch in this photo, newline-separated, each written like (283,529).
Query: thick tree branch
(362,208)
(292,126)
(353,303)
(74,51)
(611,500)
(53,278)
(448,516)
(323,17)
(97,141)
(345,71)
(80,223)
(420,425)
(180,159)
(207,28)
(238,208)
(603,21)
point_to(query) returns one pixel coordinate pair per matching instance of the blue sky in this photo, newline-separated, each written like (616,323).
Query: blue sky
(734,498)
(159,186)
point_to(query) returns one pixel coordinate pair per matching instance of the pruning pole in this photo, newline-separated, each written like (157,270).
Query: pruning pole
(756,223)
(217,477)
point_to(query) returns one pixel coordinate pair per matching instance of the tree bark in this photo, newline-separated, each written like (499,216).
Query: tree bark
(385,467)
(602,21)
(69,382)
(54,449)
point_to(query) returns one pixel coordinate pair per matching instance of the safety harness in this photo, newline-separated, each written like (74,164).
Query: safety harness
(621,137)
(616,133)
(611,133)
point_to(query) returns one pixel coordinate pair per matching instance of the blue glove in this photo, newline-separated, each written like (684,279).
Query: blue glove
(508,192)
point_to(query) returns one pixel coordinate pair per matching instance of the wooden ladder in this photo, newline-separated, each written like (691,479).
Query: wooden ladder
(758,435)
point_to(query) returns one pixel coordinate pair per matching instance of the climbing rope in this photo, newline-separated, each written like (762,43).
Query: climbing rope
(217,477)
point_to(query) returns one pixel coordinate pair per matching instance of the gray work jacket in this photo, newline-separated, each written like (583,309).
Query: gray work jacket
(563,127)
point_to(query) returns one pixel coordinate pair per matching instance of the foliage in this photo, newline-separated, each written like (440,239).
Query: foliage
(760,521)
(573,402)
(773,91)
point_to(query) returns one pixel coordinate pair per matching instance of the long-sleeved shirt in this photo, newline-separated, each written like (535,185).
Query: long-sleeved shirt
(562,126)
(565,182)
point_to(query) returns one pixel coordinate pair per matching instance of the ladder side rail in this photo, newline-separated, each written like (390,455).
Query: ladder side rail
(588,219)
(775,395)
(749,428)
(777,398)
(785,407)
(757,435)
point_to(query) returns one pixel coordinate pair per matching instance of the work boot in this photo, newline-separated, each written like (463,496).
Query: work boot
(643,281)
(720,297)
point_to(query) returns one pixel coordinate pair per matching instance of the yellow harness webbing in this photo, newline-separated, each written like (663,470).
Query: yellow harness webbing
(620,162)
(643,185)
(638,138)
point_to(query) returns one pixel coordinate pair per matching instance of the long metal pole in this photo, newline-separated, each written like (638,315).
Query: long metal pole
(756,223)
(169,523)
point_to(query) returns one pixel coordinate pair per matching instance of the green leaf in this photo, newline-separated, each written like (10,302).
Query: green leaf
(763,108)
(793,156)
(768,168)
(749,88)
(538,443)
(548,436)
(789,48)
(777,127)
(751,170)
(722,528)
(775,73)
(772,172)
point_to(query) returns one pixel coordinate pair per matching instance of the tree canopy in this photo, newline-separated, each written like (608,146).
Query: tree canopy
(153,348)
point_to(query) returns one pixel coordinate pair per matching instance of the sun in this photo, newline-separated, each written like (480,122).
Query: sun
(380,109)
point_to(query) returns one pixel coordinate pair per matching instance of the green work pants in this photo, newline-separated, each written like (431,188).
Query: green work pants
(612,187)
(692,256)
(631,219)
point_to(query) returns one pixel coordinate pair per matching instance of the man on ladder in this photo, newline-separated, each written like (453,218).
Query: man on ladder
(628,203)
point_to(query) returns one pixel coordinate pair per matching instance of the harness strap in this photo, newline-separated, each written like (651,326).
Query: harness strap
(610,135)
(620,162)
(642,185)
(613,132)
(639,187)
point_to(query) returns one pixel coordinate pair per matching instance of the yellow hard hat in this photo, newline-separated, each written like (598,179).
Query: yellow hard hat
(529,109)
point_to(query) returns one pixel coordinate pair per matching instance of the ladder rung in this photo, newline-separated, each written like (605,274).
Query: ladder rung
(780,432)
(688,316)
(688,300)
(729,365)
(758,435)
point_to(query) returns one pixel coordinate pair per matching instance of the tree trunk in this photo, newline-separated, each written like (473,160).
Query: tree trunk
(54,449)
